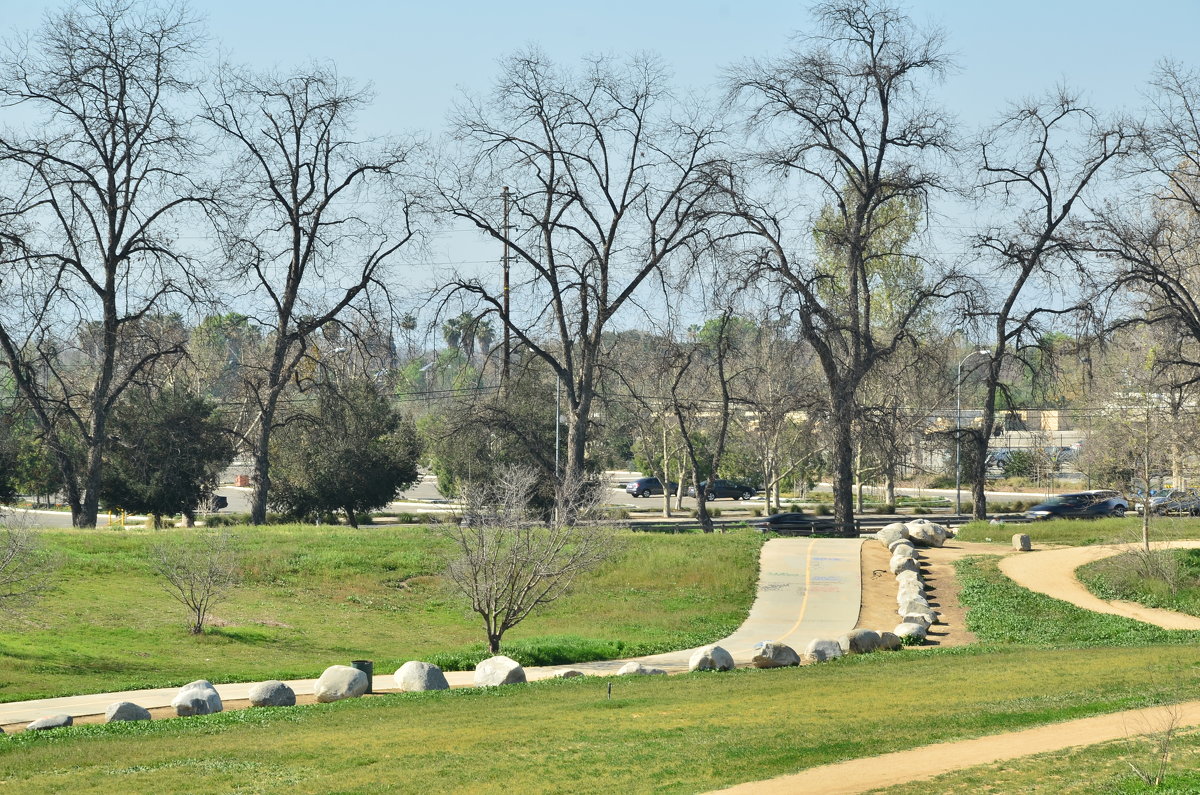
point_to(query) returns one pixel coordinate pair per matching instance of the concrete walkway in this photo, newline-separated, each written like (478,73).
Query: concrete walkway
(807,588)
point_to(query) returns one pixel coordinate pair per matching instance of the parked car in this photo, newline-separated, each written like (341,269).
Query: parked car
(645,487)
(1172,501)
(721,489)
(1080,505)
(794,523)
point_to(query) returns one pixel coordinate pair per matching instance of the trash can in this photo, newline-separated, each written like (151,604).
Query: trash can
(368,668)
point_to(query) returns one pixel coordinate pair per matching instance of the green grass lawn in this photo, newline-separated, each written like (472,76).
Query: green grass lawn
(1168,578)
(1081,532)
(685,733)
(315,596)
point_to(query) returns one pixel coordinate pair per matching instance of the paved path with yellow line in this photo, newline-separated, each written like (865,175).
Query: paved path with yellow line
(807,588)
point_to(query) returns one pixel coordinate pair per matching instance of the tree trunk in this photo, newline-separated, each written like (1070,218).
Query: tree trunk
(261,479)
(493,643)
(842,449)
(666,470)
(350,517)
(982,441)
(701,504)
(890,488)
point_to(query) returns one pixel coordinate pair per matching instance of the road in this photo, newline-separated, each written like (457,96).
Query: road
(807,588)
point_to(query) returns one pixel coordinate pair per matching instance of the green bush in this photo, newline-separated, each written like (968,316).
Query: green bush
(921,510)
(822,509)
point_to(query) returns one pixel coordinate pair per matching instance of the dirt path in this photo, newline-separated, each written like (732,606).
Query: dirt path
(1052,572)
(878,610)
(917,764)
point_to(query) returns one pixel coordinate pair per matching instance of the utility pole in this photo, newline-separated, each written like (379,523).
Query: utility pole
(504,356)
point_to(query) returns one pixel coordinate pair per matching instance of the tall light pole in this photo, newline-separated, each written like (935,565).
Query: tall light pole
(958,428)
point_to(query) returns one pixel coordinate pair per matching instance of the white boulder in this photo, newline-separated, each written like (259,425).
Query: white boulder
(637,669)
(908,630)
(415,676)
(710,658)
(822,650)
(775,655)
(340,682)
(125,710)
(499,670)
(197,698)
(50,722)
(272,693)
(859,641)
(567,673)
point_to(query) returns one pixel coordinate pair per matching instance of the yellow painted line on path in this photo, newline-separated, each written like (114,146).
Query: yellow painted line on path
(803,602)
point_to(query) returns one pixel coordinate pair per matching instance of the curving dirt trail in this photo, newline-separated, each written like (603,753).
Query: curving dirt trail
(1051,572)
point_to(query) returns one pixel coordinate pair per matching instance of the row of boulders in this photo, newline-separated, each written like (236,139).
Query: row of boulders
(912,601)
(340,682)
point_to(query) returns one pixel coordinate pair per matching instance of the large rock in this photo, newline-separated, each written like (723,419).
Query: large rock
(499,670)
(272,694)
(414,676)
(775,655)
(909,591)
(1021,543)
(913,577)
(822,650)
(927,534)
(900,563)
(904,547)
(859,641)
(51,722)
(891,534)
(340,682)
(125,710)
(197,698)
(637,669)
(710,658)
(924,619)
(907,630)
(567,673)
(889,641)
(918,609)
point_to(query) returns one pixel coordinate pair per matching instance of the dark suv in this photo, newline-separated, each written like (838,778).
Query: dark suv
(644,487)
(1080,505)
(719,489)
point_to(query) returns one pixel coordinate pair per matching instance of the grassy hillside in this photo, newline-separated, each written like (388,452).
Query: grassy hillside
(314,596)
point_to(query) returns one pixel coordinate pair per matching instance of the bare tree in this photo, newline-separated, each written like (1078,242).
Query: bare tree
(198,572)
(702,401)
(26,569)
(96,181)
(508,564)
(311,219)
(604,170)
(1039,160)
(845,112)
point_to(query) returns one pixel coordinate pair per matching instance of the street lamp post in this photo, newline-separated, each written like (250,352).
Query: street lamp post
(958,428)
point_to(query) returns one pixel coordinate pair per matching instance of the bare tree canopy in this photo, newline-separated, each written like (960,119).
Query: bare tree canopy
(310,219)
(845,111)
(93,189)
(605,170)
(198,572)
(1040,160)
(509,564)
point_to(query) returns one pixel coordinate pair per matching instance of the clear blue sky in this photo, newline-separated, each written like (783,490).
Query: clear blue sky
(418,54)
